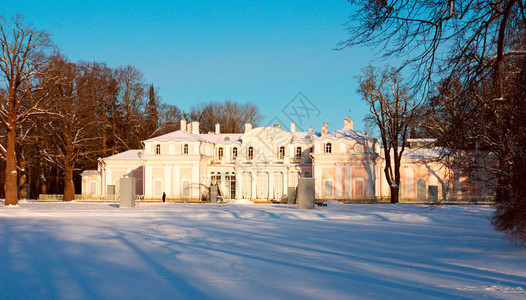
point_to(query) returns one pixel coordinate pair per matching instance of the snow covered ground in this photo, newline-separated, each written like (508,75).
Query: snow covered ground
(233,251)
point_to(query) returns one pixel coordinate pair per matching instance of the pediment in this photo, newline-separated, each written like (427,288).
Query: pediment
(273,135)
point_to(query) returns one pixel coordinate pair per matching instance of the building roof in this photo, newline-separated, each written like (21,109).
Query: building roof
(126,155)
(177,136)
(421,153)
(344,133)
(223,138)
(304,137)
(235,138)
(89,172)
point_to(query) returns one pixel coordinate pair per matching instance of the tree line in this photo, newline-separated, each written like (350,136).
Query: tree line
(59,116)
(467,61)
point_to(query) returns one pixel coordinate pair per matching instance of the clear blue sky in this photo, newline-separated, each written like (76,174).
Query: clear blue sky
(198,51)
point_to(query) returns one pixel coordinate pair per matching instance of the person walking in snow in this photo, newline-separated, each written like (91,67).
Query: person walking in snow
(164,197)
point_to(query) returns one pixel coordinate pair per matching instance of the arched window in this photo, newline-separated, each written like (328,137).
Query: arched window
(250,153)
(158,149)
(298,152)
(281,153)
(421,187)
(234,152)
(328,148)
(185,149)
(220,153)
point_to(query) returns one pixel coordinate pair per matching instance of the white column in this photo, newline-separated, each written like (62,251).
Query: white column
(103,182)
(409,183)
(338,182)
(270,184)
(168,179)
(239,185)
(348,182)
(369,177)
(378,181)
(222,184)
(285,180)
(317,179)
(108,177)
(194,184)
(147,180)
(176,190)
(254,178)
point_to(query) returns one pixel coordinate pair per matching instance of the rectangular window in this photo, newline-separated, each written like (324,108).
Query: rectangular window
(433,193)
(215,179)
(327,188)
(158,188)
(93,188)
(186,188)
(281,152)
(359,188)
(298,152)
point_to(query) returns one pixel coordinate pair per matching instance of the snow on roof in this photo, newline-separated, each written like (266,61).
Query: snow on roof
(421,153)
(126,155)
(422,140)
(304,137)
(224,138)
(344,133)
(235,138)
(89,172)
(177,136)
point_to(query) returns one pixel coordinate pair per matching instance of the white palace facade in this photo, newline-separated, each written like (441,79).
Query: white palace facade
(262,163)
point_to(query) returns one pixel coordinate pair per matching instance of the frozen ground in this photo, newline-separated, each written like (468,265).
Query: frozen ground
(232,251)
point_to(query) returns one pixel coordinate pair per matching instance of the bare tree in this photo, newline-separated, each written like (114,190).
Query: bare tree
(169,116)
(101,86)
(21,60)
(70,118)
(469,55)
(392,112)
(230,115)
(131,93)
(440,38)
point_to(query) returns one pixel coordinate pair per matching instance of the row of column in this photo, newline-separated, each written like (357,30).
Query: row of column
(172,181)
(262,184)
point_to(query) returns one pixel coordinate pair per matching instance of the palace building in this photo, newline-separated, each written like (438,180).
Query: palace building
(262,163)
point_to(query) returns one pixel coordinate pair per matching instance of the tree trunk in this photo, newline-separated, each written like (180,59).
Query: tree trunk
(394,194)
(43,187)
(42,177)
(22,181)
(69,187)
(10,187)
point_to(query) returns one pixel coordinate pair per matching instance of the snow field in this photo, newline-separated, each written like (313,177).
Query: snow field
(233,251)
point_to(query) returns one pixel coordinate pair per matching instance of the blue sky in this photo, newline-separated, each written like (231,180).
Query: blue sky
(198,51)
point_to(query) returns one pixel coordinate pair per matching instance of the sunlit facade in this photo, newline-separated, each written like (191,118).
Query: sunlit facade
(264,163)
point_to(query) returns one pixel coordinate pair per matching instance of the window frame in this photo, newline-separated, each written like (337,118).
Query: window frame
(328,148)
(298,155)
(281,153)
